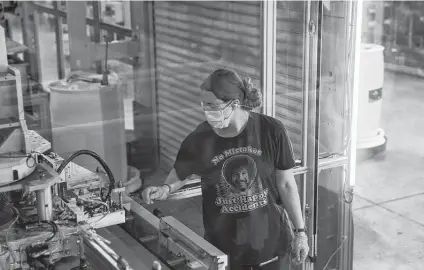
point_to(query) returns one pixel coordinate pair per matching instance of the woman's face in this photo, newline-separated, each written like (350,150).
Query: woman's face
(218,113)
(211,102)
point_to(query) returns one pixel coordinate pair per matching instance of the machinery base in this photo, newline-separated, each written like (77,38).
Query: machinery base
(367,148)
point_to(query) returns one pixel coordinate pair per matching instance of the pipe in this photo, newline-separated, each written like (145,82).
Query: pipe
(268,54)
(317,88)
(103,253)
(120,261)
(44,204)
(306,66)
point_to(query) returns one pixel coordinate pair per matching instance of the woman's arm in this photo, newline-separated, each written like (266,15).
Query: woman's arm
(289,194)
(162,192)
(174,182)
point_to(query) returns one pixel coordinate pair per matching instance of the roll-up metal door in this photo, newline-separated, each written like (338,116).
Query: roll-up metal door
(191,40)
(289,69)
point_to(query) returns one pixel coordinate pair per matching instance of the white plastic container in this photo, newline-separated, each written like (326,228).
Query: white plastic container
(371,74)
(88,115)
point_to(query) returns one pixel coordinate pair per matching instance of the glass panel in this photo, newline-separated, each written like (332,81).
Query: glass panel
(62,5)
(65,41)
(48,48)
(330,209)
(333,85)
(16,48)
(90,9)
(289,70)
(186,42)
(189,211)
(334,214)
(126,75)
(116,13)
(45,3)
(191,40)
(388,192)
(15,27)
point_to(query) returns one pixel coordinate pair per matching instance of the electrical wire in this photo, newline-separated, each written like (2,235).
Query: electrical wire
(98,202)
(334,253)
(12,252)
(60,240)
(95,222)
(54,226)
(100,160)
(30,157)
(57,231)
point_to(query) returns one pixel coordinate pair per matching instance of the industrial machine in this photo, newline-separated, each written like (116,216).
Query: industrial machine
(50,206)
(54,213)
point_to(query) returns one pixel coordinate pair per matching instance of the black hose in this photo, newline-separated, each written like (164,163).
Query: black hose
(100,160)
(55,227)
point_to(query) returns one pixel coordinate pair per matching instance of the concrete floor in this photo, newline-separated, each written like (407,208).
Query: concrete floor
(389,201)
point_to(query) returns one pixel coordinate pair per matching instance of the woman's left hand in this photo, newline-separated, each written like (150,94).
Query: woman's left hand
(300,248)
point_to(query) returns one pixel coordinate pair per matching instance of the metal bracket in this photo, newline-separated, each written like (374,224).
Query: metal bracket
(308,211)
(312,27)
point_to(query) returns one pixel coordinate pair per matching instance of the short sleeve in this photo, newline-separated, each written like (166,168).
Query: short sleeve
(185,162)
(284,159)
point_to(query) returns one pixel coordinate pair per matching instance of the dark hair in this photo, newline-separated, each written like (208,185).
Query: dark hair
(235,164)
(253,97)
(227,85)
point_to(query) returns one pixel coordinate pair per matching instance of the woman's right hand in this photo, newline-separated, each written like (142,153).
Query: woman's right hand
(151,194)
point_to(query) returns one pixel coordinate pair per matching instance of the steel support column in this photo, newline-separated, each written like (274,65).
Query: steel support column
(268,54)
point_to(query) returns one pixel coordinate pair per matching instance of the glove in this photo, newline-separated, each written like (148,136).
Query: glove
(152,194)
(300,248)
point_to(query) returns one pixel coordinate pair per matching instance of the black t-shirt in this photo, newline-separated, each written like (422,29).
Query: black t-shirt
(240,198)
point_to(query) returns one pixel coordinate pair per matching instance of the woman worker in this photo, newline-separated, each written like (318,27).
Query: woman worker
(244,160)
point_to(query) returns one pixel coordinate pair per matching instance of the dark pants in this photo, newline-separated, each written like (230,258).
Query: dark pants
(279,264)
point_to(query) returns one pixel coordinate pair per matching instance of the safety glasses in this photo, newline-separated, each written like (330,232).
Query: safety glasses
(217,108)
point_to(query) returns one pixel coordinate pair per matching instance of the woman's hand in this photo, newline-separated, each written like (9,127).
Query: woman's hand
(153,193)
(300,248)
(133,185)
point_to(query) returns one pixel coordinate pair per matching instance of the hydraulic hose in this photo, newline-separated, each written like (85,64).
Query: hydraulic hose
(100,160)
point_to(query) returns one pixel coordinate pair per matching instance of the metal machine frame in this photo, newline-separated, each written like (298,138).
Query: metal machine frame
(190,247)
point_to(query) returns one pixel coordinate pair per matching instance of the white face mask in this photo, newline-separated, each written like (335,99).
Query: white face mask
(219,119)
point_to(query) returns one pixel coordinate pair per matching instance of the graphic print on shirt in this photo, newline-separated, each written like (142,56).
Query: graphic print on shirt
(240,188)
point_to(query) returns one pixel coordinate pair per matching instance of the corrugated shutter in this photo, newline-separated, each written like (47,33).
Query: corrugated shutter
(289,69)
(191,40)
